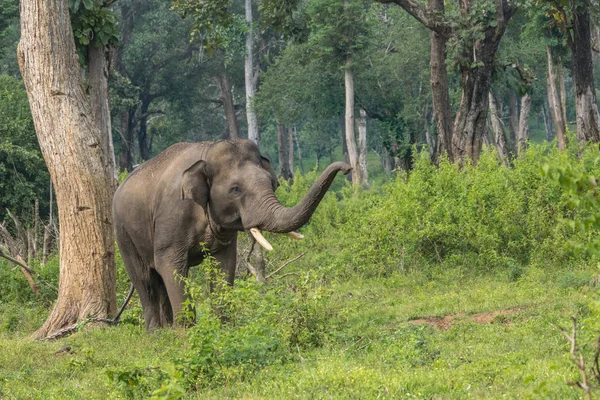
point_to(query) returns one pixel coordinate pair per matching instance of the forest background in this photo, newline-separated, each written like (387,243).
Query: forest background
(470,127)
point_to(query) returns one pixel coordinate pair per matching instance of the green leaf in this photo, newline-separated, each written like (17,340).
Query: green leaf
(88,4)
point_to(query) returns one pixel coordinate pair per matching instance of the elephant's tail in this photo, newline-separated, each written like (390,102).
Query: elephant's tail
(117,318)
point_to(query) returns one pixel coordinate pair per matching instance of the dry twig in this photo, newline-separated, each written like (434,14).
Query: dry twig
(578,360)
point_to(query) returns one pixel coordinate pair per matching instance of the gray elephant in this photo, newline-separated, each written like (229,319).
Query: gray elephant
(194,193)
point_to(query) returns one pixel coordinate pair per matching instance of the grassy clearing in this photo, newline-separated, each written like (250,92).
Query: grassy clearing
(371,348)
(438,244)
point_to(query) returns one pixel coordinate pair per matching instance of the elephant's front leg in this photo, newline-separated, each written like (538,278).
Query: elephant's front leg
(226,257)
(172,264)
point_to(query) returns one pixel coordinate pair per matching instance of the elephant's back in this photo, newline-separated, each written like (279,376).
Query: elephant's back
(165,159)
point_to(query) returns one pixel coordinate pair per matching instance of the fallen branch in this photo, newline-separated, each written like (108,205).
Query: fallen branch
(285,264)
(26,268)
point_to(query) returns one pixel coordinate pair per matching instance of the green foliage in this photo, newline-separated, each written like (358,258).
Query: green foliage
(23,174)
(241,330)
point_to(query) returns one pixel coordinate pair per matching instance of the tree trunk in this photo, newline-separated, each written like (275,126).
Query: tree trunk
(74,150)
(128,12)
(547,123)
(126,153)
(98,73)
(439,90)
(563,92)
(291,131)
(349,123)
(498,129)
(588,120)
(513,111)
(554,101)
(224,84)
(299,150)
(283,152)
(250,78)
(144,141)
(470,121)
(362,145)
(523,133)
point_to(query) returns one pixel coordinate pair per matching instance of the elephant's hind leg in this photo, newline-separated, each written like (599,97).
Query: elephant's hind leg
(145,280)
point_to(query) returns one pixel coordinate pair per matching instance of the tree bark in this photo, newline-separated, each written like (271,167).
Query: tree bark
(224,85)
(98,73)
(73,148)
(291,131)
(498,128)
(299,150)
(513,111)
(563,91)
(439,90)
(126,153)
(362,145)
(554,101)
(588,120)
(283,152)
(547,123)
(144,140)
(250,78)
(349,123)
(523,133)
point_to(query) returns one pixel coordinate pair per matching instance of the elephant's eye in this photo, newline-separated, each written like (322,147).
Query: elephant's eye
(235,190)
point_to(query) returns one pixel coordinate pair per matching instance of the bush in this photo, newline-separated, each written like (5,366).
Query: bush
(482,218)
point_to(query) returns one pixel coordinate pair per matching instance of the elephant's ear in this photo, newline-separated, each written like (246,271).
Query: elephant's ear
(194,183)
(266,164)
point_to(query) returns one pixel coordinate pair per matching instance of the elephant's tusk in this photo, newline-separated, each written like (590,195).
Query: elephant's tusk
(295,235)
(261,239)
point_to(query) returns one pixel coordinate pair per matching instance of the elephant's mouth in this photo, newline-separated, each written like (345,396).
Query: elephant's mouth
(260,239)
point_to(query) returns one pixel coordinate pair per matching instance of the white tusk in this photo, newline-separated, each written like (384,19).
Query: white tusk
(261,239)
(295,235)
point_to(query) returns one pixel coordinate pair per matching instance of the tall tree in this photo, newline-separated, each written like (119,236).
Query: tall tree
(251,76)
(75,151)
(476,32)
(574,20)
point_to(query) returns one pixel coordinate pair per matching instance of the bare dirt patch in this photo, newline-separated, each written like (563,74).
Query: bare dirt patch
(447,322)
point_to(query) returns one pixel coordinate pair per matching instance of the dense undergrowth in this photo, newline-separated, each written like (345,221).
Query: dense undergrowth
(336,323)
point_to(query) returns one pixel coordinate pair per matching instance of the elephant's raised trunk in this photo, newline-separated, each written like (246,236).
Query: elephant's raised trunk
(281,219)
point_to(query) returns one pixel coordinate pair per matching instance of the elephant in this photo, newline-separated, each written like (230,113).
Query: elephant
(199,193)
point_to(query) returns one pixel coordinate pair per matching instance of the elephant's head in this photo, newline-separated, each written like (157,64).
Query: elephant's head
(236,185)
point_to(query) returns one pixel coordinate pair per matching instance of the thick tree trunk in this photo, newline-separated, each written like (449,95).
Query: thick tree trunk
(73,148)
(349,125)
(439,90)
(470,121)
(224,84)
(588,120)
(498,129)
(283,152)
(513,114)
(250,78)
(554,102)
(362,146)
(523,133)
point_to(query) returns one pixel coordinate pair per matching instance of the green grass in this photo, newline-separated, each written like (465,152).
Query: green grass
(371,348)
